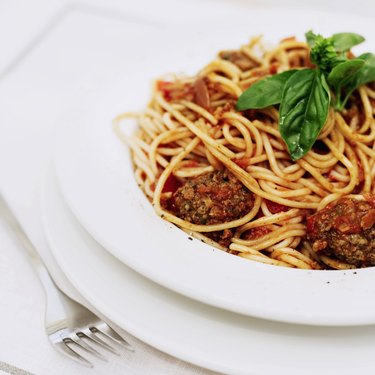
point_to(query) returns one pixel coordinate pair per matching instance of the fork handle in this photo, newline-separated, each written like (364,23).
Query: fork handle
(56,311)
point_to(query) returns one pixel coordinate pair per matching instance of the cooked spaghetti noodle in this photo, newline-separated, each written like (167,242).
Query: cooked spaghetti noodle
(191,128)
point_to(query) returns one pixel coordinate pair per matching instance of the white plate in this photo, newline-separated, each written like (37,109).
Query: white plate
(95,175)
(204,335)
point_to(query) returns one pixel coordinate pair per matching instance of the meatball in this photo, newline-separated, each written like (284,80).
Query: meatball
(345,230)
(213,198)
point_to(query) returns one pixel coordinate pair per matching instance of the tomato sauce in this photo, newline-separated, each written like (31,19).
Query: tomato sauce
(256,233)
(172,184)
(276,208)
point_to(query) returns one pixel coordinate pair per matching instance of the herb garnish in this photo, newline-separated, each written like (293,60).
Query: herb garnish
(305,95)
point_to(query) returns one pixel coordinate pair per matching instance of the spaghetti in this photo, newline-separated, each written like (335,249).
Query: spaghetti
(191,129)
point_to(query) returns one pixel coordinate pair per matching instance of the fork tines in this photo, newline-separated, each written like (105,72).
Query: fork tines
(84,339)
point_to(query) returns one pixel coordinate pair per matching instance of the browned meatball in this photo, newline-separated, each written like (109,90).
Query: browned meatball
(345,230)
(213,198)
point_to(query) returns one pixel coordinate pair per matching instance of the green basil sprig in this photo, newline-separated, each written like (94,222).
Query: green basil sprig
(323,52)
(305,95)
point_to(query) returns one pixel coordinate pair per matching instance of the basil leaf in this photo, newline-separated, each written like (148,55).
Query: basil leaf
(345,41)
(310,38)
(342,73)
(364,75)
(264,93)
(367,73)
(303,110)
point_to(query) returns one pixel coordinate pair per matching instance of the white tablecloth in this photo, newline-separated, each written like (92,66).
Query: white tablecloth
(35,81)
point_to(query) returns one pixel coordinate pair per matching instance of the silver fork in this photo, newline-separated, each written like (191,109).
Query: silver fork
(71,327)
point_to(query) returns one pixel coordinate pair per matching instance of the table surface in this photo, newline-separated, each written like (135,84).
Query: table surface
(35,81)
